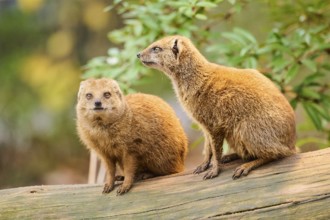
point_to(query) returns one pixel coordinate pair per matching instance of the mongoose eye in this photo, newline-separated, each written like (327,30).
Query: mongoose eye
(107,95)
(89,96)
(156,49)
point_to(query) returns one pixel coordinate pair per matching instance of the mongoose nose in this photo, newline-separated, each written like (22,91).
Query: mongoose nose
(138,55)
(98,104)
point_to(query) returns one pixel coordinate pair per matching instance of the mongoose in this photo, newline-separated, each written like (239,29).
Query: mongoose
(138,132)
(241,106)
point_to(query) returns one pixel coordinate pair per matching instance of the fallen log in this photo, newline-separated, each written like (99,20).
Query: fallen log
(295,187)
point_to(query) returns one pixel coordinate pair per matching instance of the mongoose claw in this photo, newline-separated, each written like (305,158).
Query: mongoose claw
(201,168)
(214,172)
(123,189)
(107,188)
(239,171)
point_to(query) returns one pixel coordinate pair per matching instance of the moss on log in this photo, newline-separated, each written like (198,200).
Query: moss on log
(293,188)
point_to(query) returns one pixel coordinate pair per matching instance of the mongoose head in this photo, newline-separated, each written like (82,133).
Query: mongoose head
(172,55)
(100,100)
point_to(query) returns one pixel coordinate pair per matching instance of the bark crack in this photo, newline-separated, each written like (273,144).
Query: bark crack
(289,203)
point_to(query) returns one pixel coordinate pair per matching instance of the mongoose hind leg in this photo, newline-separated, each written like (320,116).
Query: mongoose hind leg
(245,168)
(229,158)
(216,142)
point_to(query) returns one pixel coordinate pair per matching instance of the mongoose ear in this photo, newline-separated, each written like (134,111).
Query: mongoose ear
(81,86)
(117,89)
(176,49)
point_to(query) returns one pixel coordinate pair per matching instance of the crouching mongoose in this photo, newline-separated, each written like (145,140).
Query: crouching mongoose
(139,132)
(239,105)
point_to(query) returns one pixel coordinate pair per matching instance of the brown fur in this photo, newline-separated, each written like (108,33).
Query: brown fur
(239,105)
(138,132)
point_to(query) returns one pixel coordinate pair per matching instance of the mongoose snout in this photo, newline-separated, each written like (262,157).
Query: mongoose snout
(98,104)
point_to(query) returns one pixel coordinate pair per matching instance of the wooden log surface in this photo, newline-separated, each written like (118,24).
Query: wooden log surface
(297,187)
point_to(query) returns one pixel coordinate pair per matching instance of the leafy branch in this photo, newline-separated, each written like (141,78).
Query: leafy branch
(294,55)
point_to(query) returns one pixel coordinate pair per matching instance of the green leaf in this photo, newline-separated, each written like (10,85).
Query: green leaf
(109,8)
(326,66)
(188,12)
(314,116)
(113,51)
(178,4)
(152,24)
(115,72)
(247,35)
(310,64)
(322,111)
(312,78)
(201,17)
(138,28)
(130,76)
(195,126)
(280,63)
(294,103)
(234,37)
(266,49)
(251,62)
(324,46)
(97,61)
(292,72)
(326,101)
(197,142)
(309,93)
(308,39)
(206,4)
(245,50)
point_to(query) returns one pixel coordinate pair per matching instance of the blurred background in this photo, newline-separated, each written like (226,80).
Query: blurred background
(48,46)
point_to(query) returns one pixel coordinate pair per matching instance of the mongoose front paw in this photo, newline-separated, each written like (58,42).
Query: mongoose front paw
(107,188)
(241,170)
(122,189)
(201,168)
(214,172)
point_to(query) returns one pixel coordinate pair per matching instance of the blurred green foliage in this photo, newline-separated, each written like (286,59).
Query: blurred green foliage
(43,45)
(293,50)
(143,24)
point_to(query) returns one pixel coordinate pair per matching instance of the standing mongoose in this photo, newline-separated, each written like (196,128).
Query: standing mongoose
(138,132)
(239,105)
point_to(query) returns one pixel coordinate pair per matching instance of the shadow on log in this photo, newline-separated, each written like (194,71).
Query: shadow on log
(295,187)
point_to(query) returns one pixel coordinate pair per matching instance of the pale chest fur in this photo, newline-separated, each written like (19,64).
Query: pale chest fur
(185,99)
(193,101)
(103,141)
